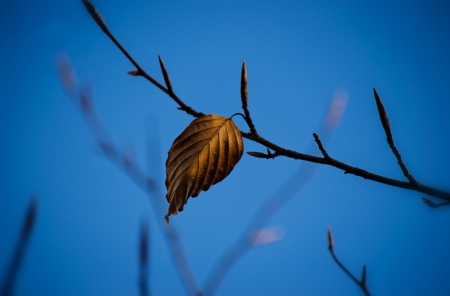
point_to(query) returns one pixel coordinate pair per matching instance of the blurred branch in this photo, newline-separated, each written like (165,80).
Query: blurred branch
(361,283)
(83,99)
(17,258)
(254,136)
(143,260)
(270,206)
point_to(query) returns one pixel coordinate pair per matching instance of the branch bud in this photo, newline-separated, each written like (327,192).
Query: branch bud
(134,73)
(429,203)
(165,74)
(383,115)
(330,239)
(244,89)
(95,15)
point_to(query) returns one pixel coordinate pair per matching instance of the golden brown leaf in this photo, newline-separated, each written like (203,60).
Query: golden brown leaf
(203,155)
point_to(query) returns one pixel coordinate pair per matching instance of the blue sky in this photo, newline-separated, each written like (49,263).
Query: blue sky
(298,54)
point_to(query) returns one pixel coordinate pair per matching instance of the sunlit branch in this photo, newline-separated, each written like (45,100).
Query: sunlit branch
(83,99)
(7,288)
(361,283)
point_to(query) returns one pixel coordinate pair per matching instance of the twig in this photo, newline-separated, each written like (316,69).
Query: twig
(81,97)
(387,129)
(361,283)
(143,261)
(319,144)
(253,136)
(12,272)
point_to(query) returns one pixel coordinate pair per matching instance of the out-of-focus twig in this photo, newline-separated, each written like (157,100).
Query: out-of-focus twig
(83,99)
(361,283)
(144,255)
(7,288)
(270,206)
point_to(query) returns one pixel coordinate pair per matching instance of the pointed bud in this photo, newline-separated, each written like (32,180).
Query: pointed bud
(134,73)
(330,239)
(165,74)
(383,115)
(244,89)
(95,15)
(257,154)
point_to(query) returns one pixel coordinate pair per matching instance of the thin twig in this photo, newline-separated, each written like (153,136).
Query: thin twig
(390,139)
(144,255)
(7,288)
(361,283)
(319,144)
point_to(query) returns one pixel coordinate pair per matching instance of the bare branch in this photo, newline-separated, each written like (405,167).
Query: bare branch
(361,283)
(387,129)
(253,136)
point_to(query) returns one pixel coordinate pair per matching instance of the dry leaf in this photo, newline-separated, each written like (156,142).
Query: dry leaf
(203,155)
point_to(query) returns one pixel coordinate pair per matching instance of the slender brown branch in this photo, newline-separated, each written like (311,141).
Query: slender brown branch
(387,129)
(254,136)
(361,283)
(7,288)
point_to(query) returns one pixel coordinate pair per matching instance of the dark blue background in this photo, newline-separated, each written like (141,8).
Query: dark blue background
(298,54)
